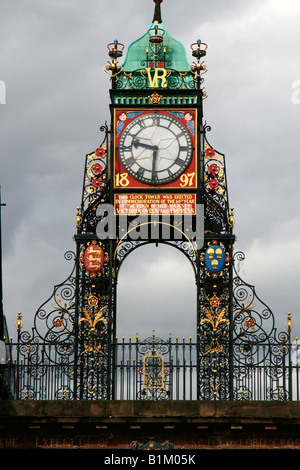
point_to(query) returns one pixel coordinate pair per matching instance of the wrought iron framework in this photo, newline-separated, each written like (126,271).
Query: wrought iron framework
(72,351)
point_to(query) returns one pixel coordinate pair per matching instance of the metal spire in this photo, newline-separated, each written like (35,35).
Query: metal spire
(157,11)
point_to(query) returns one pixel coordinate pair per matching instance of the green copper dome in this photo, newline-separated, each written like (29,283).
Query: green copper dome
(175,55)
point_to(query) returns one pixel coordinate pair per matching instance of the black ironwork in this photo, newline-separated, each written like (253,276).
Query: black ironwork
(72,351)
(154,369)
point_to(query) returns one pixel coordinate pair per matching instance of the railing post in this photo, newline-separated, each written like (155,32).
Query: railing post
(289,326)
(19,325)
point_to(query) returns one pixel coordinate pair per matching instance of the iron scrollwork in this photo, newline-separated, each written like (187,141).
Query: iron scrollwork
(257,343)
(50,345)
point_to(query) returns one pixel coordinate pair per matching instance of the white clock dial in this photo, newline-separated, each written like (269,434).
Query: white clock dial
(155,148)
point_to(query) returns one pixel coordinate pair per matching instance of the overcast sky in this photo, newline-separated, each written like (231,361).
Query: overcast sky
(52,59)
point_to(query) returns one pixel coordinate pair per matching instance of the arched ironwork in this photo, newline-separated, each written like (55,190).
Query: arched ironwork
(125,246)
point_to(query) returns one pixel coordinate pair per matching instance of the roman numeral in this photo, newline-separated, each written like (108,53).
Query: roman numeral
(142,124)
(130,161)
(180,162)
(140,172)
(154,178)
(156,121)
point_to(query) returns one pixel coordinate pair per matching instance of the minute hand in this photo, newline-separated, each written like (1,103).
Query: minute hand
(137,143)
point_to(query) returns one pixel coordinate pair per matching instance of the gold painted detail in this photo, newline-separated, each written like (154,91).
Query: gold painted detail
(19,323)
(153,374)
(93,318)
(97,320)
(215,318)
(231,218)
(158,78)
(249,322)
(65,320)
(214,348)
(153,371)
(78,218)
(248,306)
(215,385)
(289,324)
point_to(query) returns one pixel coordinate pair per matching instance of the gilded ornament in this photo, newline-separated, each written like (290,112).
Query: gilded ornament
(93,318)
(93,301)
(78,218)
(289,324)
(231,219)
(214,301)
(19,323)
(215,318)
(214,348)
(155,98)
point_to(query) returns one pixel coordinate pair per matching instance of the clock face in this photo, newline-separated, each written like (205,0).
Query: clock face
(155,148)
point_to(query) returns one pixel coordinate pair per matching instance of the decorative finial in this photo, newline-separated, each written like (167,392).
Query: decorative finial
(78,218)
(19,323)
(157,11)
(198,68)
(289,324)
(115,51)
(231,218)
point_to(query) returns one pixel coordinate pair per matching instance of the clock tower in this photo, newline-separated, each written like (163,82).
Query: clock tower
(154,179)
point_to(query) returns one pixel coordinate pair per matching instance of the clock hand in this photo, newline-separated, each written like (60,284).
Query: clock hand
(154,165)
(137,143)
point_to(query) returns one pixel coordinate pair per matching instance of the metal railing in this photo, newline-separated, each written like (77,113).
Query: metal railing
(146,370)
(155,370)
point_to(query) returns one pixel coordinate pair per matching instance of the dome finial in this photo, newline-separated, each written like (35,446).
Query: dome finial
(157,11)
